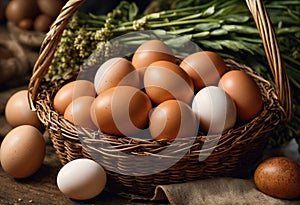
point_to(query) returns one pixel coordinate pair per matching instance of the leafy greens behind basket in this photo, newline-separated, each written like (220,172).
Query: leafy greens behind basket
(223,26)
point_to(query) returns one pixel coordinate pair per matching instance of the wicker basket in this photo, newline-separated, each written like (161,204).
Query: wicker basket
(235,153)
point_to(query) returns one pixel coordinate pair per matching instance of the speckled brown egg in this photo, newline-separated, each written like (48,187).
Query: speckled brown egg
(278,177)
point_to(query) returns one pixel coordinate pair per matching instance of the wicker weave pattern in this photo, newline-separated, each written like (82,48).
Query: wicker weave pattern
(234,155)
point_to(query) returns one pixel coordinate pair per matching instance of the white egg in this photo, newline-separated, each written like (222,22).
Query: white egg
(215,110)
(81,179)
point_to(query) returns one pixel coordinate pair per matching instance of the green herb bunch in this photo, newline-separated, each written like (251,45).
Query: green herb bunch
(223,26)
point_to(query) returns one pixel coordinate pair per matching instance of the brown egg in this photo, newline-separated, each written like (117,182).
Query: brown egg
(164,80)
(22,151)
(278,177)
(18,112)
(204,67)
(171,119)
(245,93)
(42,23)
(70,92)
(78,112)
(25,24)
(149,52)
(114,72)
(121,111)
(17,10)
(51,8)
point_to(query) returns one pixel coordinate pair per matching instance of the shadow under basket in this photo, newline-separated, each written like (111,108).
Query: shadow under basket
(134,166)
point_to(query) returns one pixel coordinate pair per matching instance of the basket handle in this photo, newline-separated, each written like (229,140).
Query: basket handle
(270,43)
(48,48)
(256,8)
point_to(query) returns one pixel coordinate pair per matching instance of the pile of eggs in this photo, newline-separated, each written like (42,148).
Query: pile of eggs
(36,15)
(160,94)
(23,150)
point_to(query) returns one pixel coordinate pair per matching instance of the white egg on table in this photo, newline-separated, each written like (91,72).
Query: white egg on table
(81,179)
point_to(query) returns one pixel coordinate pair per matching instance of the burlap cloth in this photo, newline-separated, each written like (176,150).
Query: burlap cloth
(210,191)
(217,191)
